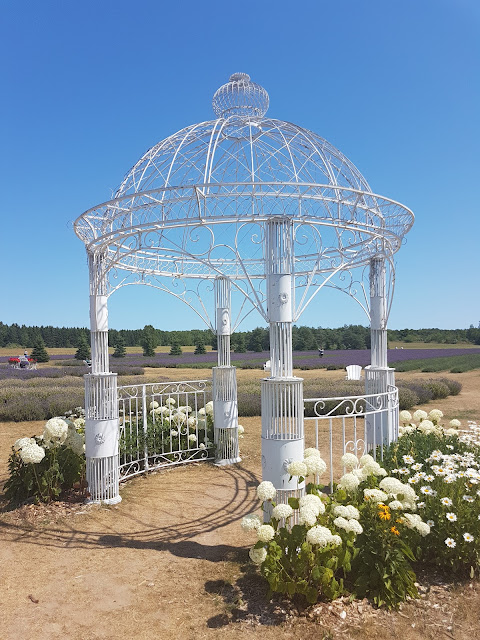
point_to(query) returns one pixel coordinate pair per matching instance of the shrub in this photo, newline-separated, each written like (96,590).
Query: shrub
(445,473)
(454,386)
(438,388)
(407,398)
(43,468)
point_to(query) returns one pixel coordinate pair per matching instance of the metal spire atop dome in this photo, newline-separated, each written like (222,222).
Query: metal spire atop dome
(240,97)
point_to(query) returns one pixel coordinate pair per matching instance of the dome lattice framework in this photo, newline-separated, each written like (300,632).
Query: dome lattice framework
(195,207)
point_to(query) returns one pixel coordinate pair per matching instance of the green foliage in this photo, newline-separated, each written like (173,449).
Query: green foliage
(83,351)
(39,353)
(303,571)
(120,350)
(161,437)
(382,568)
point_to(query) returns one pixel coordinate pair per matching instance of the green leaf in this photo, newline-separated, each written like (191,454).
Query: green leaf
(294,503)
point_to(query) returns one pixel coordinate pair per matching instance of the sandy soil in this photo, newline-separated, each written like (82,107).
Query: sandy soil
(170,561)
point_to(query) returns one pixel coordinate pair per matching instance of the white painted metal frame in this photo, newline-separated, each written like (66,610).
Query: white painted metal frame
(157,422)
(355,424)
(225,406)
(261,204)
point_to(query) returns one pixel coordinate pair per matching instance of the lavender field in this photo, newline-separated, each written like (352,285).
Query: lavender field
(133,363)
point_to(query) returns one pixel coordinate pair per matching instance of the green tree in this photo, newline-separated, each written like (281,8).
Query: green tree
(240,346)
(120,350)
(200,348)
(148,341)
(176,349)
(83,349)
(148,346)
(39,353)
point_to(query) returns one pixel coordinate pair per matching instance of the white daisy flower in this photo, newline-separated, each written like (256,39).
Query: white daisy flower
(446,501)
(468,537)
(451,516)
(450,542)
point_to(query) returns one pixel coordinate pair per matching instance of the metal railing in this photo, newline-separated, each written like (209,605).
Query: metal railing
(163,424)
(356,424)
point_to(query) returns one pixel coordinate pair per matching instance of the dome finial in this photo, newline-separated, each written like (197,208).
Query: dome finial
(240,97)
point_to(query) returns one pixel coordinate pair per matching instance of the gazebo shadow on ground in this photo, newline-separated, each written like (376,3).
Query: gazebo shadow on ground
(134,524)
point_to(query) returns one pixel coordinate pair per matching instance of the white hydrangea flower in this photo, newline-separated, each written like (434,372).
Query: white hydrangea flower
(251,522)
(297,468)
(341,523)
(266,491)
(202,445)
(179,418)
(349,482)
(201,412)
(419,415)
(22,442)
(405,417)
(335,540)
(366,459)
(265,532)
(170,402)
(373,468)
(321,536)
(76,443)
(455,423)
(308,515)
(56,430)
(347,511)
(241,430)
(32,453)
(355,526)
(395,505)
(174,433)
(257,555)
(192,437)
(209,408)
(349,461)
(451,432)
(427,426)
(153,405)
(315,466)
(192,422)
(282,511)
(435,415)
(375,495)
(311,451)
(310,499)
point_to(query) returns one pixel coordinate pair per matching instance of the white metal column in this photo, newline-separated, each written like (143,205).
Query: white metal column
(282,393)
(101,402)
(379,377)
(224,381)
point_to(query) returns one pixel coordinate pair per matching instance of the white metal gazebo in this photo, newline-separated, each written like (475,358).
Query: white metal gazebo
(268,213)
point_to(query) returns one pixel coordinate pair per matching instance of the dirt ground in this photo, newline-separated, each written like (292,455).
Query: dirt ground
(170,561)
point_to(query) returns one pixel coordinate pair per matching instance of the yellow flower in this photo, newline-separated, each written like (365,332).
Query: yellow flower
(395,531)
(384,515)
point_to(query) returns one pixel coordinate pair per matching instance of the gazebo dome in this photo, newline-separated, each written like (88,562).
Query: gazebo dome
(178,211)
(241,146)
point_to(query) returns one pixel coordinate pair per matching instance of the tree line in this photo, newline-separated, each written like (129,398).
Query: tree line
(304,338)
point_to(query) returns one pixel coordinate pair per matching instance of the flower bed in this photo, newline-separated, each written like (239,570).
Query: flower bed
(381,522)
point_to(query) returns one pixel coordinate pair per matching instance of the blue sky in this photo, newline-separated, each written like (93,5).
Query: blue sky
(89,86)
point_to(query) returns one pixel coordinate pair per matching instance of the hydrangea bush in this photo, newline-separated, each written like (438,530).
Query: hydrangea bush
(170,428)
(43,468)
